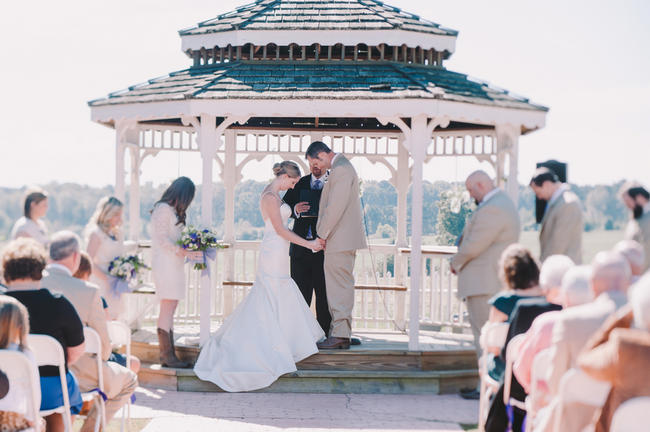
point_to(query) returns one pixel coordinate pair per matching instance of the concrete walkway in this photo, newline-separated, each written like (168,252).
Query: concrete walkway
(257,412)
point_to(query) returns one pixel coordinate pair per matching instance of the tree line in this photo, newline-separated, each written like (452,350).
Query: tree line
(445,208)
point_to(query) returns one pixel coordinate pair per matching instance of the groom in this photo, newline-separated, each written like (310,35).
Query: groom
(340,229)
(306,266)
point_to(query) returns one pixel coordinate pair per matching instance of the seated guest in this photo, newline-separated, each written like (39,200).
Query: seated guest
(119,382)
(14,327)
(83,272)
(550,276)
(575,290)
(620,353)
(520,273)
(521,318)
(610,275)
(23,261)
(635,256)
(31,225)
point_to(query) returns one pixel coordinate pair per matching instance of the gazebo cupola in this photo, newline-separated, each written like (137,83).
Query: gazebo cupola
(361,30)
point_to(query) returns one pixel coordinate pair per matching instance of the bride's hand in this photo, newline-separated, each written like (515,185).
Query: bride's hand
(316,245)
(193,255)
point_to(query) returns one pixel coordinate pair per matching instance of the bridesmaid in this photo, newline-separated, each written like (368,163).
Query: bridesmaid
(31,225)
(168,259)
(104,242)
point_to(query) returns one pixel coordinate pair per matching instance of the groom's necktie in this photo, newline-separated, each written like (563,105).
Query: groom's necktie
(318,185)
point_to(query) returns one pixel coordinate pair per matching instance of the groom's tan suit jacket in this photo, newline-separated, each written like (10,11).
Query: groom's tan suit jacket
(340,221)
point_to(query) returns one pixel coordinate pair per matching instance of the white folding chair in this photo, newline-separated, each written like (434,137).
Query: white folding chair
(511,355)
(577,386)
(630,415)
(94,346)
(18,368)
(536,397)
(492,335)
(49,352)
(120,335)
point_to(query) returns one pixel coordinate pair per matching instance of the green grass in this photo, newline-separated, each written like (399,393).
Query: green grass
(469,427)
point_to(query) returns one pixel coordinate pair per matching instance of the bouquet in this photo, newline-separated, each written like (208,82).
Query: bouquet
(200,240)
(124,270)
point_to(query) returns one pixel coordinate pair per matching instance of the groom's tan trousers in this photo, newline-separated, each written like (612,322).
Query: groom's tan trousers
(339,285)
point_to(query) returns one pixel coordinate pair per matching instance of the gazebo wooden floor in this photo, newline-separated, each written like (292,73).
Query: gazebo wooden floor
(381,364)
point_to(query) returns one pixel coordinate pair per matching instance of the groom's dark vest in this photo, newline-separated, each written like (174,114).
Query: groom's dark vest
(301,225)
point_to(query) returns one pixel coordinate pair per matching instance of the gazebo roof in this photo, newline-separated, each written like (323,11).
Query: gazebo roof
(316,80)
(323,22)
(317,15)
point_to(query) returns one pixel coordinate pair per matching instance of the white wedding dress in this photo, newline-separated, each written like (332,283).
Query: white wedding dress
(268,332)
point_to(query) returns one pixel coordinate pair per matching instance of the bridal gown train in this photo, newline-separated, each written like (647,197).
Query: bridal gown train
(268,332)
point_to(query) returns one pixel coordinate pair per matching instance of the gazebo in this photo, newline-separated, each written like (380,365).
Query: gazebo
(270,77)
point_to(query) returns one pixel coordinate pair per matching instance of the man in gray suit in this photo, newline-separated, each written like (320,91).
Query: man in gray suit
(493,226)
(562,226)
(637,199)
(340,228)
(119,382)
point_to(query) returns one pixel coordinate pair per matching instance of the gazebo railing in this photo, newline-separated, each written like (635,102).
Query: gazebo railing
(381,298)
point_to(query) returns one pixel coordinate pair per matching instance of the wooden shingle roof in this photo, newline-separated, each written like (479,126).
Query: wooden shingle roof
(318,15)
(266,80)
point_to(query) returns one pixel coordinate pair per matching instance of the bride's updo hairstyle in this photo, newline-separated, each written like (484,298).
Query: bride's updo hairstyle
(289,168)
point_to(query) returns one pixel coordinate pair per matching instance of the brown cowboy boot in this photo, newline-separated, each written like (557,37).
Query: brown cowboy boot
(167,355)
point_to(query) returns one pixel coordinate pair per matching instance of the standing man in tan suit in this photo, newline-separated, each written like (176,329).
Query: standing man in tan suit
(562,225)
(637,199)
(340,228)
(493,226)
(119,382)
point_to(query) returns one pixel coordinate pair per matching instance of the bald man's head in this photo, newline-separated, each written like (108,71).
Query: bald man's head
(609,272)
(478,185)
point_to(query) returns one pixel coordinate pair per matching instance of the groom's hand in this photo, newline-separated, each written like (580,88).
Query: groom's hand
(323,242)
(301,207)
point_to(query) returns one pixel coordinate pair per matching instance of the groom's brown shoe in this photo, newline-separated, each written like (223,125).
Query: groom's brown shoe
(333,342)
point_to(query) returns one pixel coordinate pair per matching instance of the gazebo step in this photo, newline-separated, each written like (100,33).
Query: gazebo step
(325,381)
(358,359)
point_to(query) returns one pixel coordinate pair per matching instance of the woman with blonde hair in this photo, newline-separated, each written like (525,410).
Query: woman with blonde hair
(104,242)
(30,224)
(14,328)
(272,328)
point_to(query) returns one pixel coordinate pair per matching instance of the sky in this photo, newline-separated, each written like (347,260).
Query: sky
(586,60)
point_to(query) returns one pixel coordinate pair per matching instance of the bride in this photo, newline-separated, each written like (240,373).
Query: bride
(272,328)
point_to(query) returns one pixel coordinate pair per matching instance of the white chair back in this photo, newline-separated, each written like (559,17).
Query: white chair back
(49,352)
(577,386)
(120,335)
(94,346)
(539,370)
(630,415)
(18,368)
(511,355)
(494,335)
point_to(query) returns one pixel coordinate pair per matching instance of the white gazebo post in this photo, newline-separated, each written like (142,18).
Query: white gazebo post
(418,143)
(508,141)
(134,195)
(207,139)
(402,182)
(120,151)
